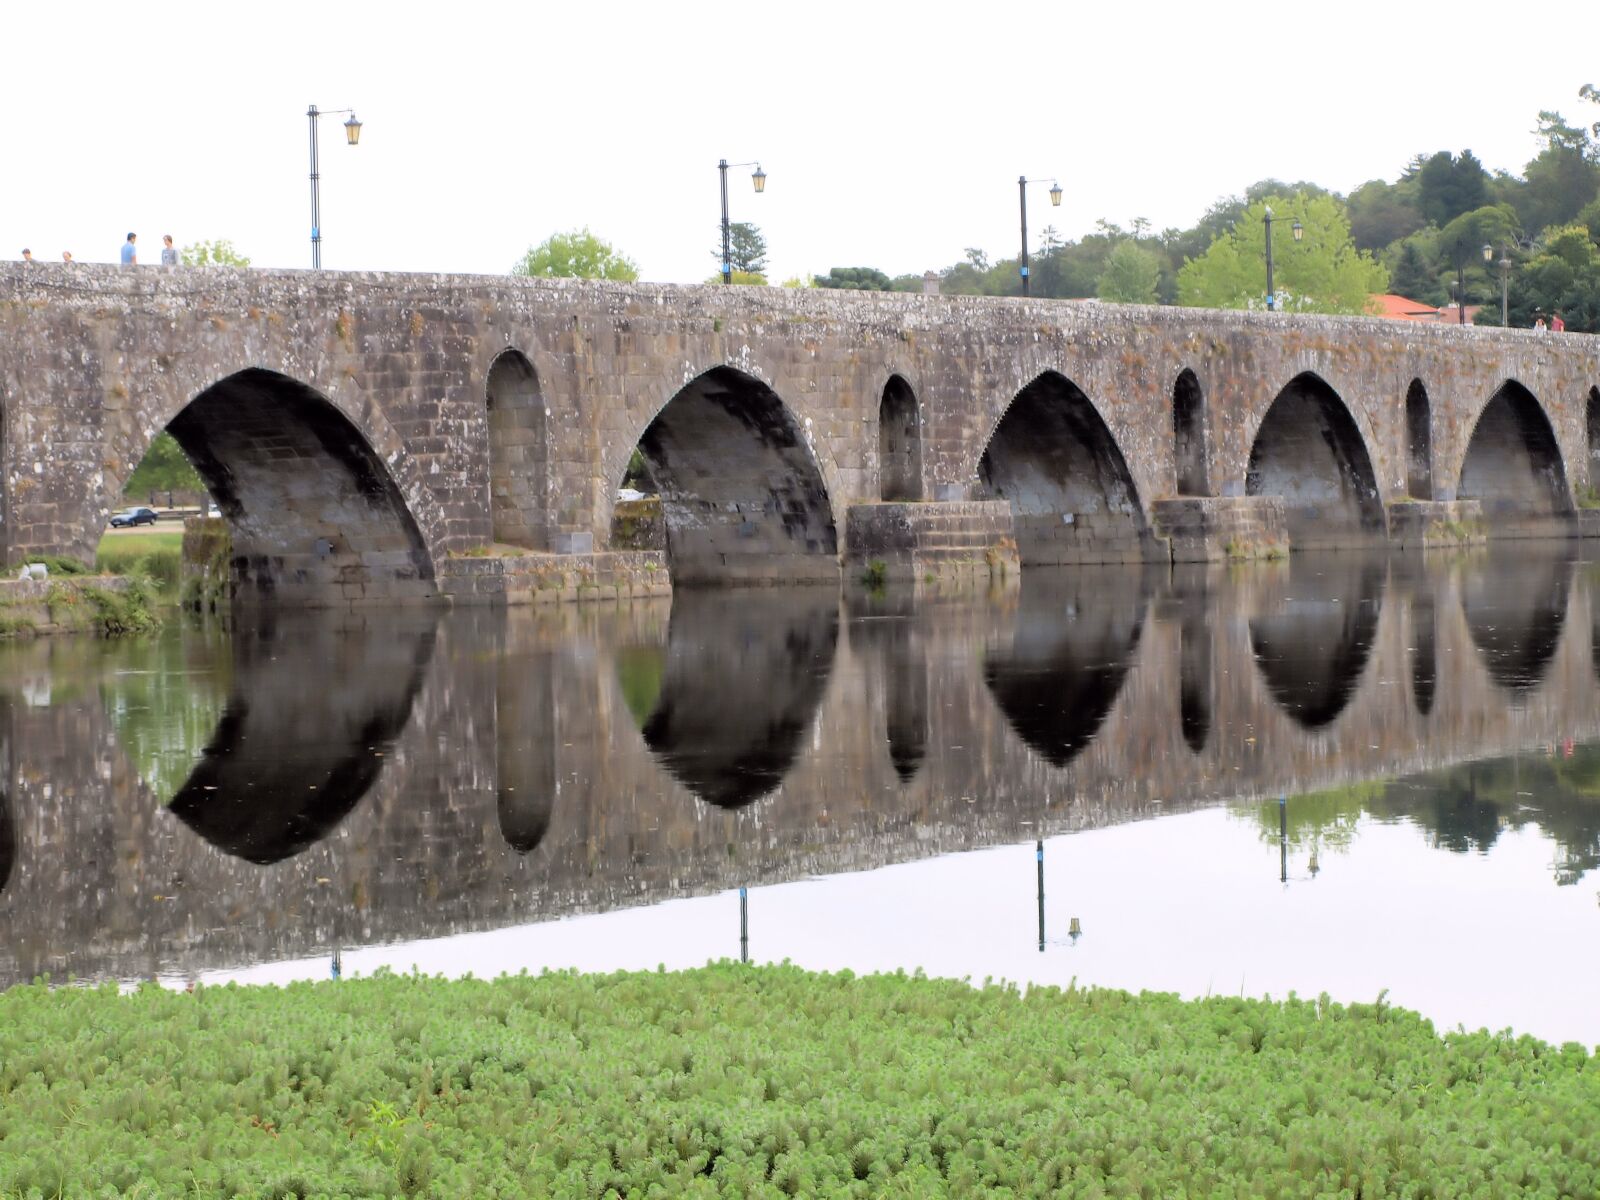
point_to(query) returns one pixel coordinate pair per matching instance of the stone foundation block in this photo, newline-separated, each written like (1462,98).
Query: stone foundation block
(1222,528)
(1436,524)
(921,542)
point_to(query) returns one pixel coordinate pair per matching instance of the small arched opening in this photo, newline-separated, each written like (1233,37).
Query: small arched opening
(1592,428)
(899,442)
(1419,443)
(1189,435)
(1513,467)
(525,748)
(1309,451)
(519,453)
(1072,497)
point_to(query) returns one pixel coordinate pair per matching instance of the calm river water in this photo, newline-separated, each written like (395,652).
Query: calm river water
(489,791)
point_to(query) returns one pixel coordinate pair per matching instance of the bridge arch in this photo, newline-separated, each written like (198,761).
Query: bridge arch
(1189,450)
(316,515)
(1512,466)
(1309,450)
(742,494)
(1419,442)
(519,452)
(899,442)
(1312,648)
(1054,459)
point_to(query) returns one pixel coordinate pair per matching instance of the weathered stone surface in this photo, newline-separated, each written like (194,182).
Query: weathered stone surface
(1220,529)
(928,542)
(359,428)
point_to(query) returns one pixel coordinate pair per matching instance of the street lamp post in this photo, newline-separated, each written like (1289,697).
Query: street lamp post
(757,177)
(1022,195)
(352,133)
(1505,281)
(1299,232)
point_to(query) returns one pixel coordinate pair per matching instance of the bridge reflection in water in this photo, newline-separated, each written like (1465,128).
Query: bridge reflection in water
(216,798)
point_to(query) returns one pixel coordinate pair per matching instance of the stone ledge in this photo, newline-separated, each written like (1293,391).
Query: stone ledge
(1436,524)
(32,606)
(554,578)
(921,541)
(1222,528)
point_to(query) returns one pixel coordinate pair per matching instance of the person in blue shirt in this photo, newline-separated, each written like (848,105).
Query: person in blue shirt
(130,251)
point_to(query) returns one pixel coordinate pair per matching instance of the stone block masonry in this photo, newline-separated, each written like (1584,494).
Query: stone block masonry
(361,430)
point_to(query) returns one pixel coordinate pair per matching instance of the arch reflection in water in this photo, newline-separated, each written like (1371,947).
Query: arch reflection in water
(316,704)
(744,675)
(525,750)
(1314,642)
(1071,648)
(8,841)
(1515,613)
(890,627)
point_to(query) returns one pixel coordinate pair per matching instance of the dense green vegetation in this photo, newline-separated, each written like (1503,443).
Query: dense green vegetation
(771,1081)
(577,254)
(156,557)
(164,470)
(1420,234)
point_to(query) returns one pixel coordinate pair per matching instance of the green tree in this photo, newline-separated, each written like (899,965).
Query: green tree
(1563,276)
(1562,178)
(1459,248)
(1410,276)
(747,248)
(860,279)
(1448,186)
(163,469)
(1131,275)
(217,253)
(741,277)
(578,254)
(1382,213)
(1323,272)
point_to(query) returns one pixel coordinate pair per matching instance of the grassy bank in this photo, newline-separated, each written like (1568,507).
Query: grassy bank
(157,557)
(771,1081)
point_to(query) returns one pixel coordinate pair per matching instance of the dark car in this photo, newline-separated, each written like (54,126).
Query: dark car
(134,516)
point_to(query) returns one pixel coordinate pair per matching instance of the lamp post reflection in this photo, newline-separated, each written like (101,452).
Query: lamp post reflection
(1283,839)
(744,925)
(1038,851)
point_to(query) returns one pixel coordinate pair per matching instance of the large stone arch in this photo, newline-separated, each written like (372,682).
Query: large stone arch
(519,452)
(1591,428)
(1309,450)
(743,495)
(1515,616)
(1053,458)
(1513,467)
(316,514)
(899,441)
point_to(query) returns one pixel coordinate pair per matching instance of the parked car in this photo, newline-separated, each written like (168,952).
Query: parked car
(213,511)
(133,516)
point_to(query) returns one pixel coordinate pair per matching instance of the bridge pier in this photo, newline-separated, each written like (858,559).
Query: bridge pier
(1220,528)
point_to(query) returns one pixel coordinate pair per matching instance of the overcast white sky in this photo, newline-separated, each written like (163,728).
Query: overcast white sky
(892,134)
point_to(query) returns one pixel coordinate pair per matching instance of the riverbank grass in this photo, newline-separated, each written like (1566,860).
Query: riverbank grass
(771,1081)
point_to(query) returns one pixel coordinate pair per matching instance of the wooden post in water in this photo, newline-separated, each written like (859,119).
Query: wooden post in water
(744,926)
(1038,852)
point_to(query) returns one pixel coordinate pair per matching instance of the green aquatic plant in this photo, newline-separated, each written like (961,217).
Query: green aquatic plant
(770,1081)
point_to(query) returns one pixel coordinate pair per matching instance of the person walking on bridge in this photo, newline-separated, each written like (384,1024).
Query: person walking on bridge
(130,251)
(169,253)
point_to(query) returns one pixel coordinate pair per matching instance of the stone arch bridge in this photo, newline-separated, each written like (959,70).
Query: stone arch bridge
(372,436)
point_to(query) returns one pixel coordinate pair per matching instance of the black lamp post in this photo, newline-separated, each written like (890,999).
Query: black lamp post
(1022,195)
(1505,281)
(757,177)
(1299,233)
(352,133)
